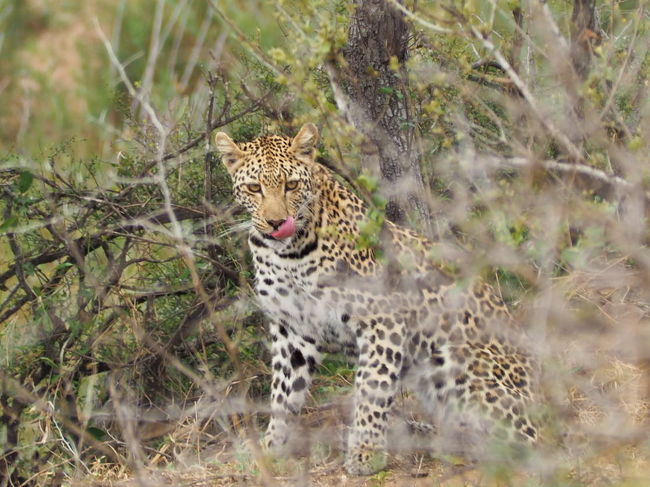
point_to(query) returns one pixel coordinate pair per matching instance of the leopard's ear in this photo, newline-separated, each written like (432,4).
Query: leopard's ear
(304,143)
(231,154)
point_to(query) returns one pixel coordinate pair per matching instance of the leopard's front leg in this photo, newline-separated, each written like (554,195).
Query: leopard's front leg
(381,341)
(294,359)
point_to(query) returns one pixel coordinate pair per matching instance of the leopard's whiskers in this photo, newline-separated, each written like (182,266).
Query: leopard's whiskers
(237,227)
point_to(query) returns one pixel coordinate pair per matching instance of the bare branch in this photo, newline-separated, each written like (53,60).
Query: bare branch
(597,177)
(86,245)
(569,146)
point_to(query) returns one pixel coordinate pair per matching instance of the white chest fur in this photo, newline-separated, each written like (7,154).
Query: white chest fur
(287,292)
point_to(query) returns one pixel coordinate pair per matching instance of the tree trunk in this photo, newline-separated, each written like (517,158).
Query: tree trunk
(583,32)
(377,102)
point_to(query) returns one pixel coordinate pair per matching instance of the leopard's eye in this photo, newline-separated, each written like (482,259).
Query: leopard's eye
(254,188)
(290,185)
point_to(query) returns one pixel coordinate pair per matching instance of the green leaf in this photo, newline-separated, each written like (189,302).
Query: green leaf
(64,265)
(367,182)
(30,270)
(49,362)
(379,201)
(635,143)
(9,223)
(96,433)
(24,182)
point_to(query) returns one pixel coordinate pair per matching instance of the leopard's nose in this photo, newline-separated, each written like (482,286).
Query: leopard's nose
(275,223)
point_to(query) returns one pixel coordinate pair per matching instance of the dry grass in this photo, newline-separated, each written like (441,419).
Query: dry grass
(196,454)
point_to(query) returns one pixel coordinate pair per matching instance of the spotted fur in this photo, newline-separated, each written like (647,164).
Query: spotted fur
(404,320)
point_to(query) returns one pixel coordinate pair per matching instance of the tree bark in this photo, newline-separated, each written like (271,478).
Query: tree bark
(583,32)
(377,102)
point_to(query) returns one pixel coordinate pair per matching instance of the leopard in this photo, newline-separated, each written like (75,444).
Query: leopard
(406,320)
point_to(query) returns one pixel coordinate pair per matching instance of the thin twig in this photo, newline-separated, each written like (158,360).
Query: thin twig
(575,153)
(18,392)
(19,260)
(591,173)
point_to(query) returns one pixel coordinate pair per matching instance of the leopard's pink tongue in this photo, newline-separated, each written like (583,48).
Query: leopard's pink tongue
(285,230)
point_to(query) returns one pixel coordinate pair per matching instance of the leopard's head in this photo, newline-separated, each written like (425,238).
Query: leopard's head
(272,178)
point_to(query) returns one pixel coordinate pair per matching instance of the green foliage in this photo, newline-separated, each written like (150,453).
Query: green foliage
(336,376)
(370,229)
